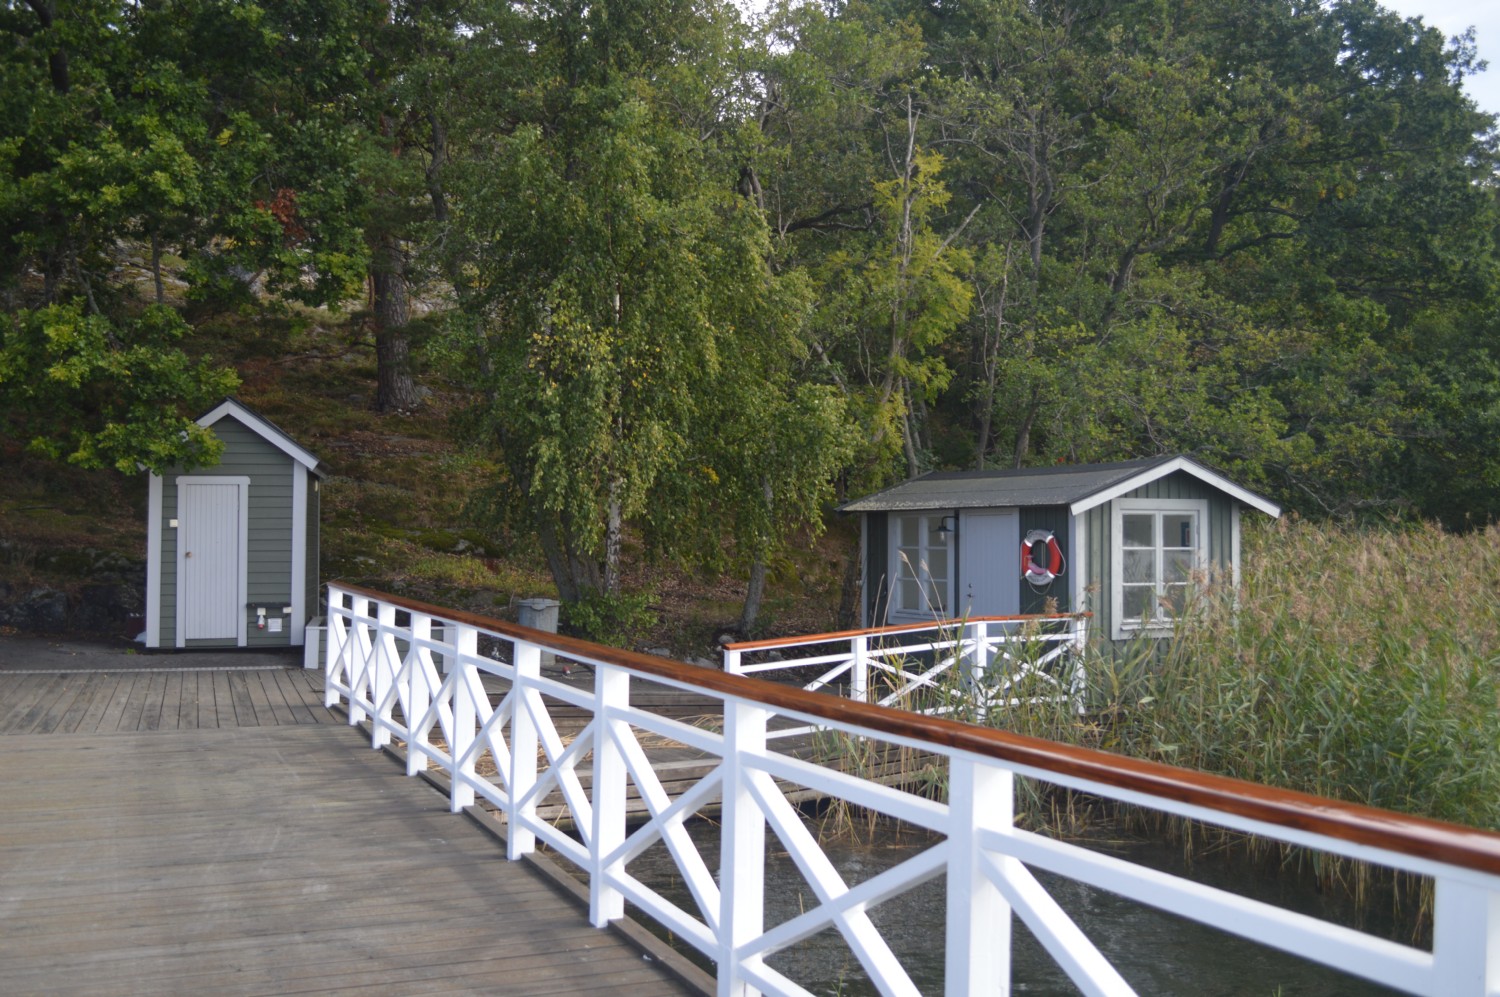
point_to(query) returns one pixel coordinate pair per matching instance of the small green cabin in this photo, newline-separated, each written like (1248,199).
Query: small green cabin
(1123,541)
(232,550)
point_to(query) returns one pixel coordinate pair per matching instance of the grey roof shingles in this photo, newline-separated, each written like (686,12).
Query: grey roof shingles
(981,489)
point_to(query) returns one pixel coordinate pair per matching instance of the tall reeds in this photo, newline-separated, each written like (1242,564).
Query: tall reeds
(1359,664)
(1356,664)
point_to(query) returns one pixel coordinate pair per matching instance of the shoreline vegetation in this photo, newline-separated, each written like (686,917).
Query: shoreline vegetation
(1355,663)
(1358,664)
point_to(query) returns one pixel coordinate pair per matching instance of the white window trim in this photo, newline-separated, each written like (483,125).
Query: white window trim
(1123,630)
(894,612)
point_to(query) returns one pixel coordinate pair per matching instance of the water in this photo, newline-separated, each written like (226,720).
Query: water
(1157,953)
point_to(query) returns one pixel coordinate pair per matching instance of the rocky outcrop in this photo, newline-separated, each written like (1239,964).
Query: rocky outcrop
(72,591)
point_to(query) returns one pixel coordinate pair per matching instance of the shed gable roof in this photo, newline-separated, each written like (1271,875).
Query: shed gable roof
(262,427)
(1080,487)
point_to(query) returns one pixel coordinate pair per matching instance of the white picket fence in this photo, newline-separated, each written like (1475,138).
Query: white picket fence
(383,652)
(969,666)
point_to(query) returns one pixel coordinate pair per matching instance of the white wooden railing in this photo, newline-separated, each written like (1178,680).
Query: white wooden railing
(966,667)
(386,664)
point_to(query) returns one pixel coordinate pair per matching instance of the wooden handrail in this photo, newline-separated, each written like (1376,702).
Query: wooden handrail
(770,642)
(1420,837)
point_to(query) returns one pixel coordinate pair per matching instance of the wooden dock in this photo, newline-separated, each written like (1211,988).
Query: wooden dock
(160,698)
(176,831)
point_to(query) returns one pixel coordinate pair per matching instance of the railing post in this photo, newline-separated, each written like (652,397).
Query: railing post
(980,796)
(732,661)
(1080,681)
(1466,939)
(979,666)
(519,838)
(859,670)
(419,696)
(335,649)
(360,650)
(742,846)
(383,674)
(611,694)
(464,713)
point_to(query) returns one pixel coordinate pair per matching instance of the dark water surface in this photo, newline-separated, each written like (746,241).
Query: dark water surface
(1157,953)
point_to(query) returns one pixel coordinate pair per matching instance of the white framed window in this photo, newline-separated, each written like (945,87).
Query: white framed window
(1160,546)
(921,566)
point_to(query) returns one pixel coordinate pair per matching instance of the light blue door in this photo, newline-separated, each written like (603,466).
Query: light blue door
(989,559)
(209,536)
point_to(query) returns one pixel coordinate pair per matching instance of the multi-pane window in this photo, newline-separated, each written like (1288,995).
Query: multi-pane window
(921,570)
(1160,547)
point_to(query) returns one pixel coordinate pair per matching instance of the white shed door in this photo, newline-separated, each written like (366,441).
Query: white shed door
(989,562)
(210,538)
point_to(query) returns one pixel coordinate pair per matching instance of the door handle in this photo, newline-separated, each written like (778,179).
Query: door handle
(188,554)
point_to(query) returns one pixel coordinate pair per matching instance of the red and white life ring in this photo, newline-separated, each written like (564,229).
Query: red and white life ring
(1041,574)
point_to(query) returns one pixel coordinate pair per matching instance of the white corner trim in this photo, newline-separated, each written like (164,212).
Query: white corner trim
(153,561)
(261,428)
(1078,563)
(242,596)
(299,554)
(1234,549)
(1172,466)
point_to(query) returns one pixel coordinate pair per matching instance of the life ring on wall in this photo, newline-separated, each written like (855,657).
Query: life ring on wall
(1041,574)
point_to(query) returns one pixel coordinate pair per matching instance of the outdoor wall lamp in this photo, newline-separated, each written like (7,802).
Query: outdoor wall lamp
(947,527)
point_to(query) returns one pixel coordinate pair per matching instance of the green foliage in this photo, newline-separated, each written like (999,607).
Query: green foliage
(80,388)
(692,272)
(1211,228)
(170,128)
(638,356)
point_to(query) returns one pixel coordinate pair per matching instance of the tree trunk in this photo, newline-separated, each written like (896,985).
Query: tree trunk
(1023,434)
(754,591)
(161,295)
(576,577)
(614,528)
(908,432)
(849,595)
(982,442)
(396,390)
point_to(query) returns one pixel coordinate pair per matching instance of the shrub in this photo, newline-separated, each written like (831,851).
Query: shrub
(611,619)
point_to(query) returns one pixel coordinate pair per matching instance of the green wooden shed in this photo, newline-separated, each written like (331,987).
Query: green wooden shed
(232,557)
(1121,540)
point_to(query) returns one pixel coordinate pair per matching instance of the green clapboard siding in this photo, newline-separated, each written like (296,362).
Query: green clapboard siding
(1055,519)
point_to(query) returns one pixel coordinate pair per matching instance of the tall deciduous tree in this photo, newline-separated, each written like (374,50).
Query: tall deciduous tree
(624,324)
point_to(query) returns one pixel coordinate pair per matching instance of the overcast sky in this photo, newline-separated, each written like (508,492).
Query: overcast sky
(1453,17)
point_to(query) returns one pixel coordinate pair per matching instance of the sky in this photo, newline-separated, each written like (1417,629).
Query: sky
(1453,17)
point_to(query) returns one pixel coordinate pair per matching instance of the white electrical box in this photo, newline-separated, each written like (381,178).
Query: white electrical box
(274,624)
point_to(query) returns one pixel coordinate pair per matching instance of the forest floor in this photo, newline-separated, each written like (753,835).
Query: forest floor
(395,502)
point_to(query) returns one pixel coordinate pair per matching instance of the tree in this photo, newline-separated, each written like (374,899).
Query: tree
(633,349)
(192,124)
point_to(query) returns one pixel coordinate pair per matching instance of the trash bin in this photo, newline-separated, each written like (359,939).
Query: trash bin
(315,642)
(540,614)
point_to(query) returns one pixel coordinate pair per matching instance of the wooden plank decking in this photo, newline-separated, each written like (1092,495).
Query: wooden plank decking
(146,699)
(196,832)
